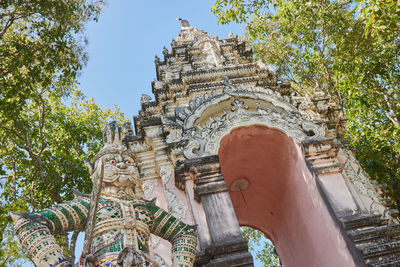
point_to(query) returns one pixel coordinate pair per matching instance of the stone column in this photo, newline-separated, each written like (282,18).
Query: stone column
(321,156)
(228,247)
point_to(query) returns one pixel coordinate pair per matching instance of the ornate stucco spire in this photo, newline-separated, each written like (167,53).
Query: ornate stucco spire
(188,34)
(207,44)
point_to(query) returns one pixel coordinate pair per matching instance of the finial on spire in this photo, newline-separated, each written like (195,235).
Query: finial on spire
(184,22)
(112,133)
(127,131)
(165,51)
(115,140)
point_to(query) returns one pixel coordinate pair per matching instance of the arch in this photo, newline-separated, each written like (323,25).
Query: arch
(272,190)
(208,118)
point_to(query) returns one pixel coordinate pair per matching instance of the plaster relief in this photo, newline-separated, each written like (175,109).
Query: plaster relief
(176,206)
(208,118)
(362,184)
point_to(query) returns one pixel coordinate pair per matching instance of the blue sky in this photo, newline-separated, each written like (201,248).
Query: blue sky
(122,46)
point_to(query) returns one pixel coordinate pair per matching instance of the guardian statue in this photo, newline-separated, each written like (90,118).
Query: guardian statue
(117,218)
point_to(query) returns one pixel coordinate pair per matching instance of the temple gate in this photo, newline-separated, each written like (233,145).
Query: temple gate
(226,143)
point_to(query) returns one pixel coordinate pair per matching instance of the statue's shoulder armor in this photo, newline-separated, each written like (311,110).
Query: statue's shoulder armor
(150,205)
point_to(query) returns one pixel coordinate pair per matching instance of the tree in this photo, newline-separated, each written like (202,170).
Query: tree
(382,17)
(42,155)
(258,244)
(348,49)
(46,126)
(41,48)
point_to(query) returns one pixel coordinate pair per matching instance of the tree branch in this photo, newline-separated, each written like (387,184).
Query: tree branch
(8,24)
(391,118)
(14,176)
(389,109)
(41,108)
(6,129)
(52,190)
(4,261)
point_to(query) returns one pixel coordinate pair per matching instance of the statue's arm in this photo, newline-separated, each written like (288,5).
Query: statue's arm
(36,230)
(182,236)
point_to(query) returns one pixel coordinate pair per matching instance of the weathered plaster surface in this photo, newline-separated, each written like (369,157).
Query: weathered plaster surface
(199,217)
(338,194)
(282,198)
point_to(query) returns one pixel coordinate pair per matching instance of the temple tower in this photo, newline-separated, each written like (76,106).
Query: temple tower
(226,143)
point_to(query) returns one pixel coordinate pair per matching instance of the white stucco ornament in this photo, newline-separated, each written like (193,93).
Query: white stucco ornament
(208,118)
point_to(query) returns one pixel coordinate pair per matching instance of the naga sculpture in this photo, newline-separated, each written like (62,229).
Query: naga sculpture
(117,218)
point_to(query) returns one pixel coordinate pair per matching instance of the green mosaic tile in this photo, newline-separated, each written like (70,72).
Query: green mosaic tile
(69,217)
(160,218)
(167,225)
(142,247)
(85,204)
(81,216)
(52,216)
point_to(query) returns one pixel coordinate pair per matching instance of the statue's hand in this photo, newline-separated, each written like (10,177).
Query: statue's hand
(129,257)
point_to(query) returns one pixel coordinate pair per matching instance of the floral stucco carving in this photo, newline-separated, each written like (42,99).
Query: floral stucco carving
(166,173)
(148,187)
(359,178)
(235,107)
(176,206)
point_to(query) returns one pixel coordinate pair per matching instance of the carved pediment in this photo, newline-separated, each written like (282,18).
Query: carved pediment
(211,116)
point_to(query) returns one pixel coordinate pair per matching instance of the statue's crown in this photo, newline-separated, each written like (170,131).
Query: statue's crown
(115,140)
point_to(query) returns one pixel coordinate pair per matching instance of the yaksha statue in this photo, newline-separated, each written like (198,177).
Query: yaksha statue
(117,218)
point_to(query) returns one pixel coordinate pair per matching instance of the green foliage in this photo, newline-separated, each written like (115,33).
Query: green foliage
(41,48)
(42,151)
(348,49)
(263,248)
(13,255)
(46,126)
(382,16)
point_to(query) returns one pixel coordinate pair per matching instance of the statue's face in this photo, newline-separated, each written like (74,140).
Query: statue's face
(120,170)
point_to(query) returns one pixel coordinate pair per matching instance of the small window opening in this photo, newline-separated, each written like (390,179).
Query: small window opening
(262,249)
